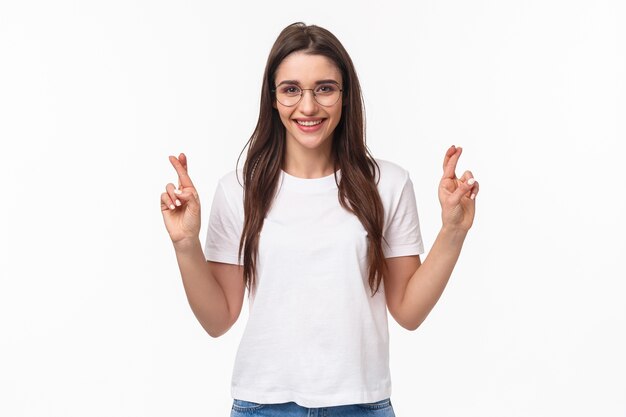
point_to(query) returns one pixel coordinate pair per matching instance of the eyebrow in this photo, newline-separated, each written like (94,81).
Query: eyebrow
(296,82)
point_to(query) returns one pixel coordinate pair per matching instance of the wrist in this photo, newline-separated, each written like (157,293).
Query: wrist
(187,244)
(453,231)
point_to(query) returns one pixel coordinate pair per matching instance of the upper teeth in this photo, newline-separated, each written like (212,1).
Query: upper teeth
(309,123)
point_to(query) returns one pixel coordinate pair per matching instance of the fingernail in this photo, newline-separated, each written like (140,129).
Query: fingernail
(172,206)
(472,196)
(178,192)
(471,181)
(178,202)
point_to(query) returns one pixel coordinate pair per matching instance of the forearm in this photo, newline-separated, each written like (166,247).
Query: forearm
(428,282)
(205,295)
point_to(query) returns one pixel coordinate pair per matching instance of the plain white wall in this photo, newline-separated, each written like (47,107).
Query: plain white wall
(94,96)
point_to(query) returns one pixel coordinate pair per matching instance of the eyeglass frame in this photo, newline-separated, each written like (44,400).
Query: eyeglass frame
(312,90)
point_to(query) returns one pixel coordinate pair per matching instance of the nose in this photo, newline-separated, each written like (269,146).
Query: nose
(308,105)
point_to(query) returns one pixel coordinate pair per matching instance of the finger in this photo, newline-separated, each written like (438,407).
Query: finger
(183,178)
(166,202)
(475,189)
(467,175)
(183,160)
(463,190)
(450,163)
(174,195)
(188,195)
(449,153)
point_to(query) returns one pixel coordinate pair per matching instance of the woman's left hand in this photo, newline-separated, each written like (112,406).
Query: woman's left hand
(457,195)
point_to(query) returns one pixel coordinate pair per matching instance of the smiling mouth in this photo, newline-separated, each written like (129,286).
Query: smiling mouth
(309,122)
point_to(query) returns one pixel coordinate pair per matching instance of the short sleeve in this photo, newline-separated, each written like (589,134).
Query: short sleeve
(224,230)
(402,230)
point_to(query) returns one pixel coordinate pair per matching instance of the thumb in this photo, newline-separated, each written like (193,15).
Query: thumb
(188,196)
(463,188)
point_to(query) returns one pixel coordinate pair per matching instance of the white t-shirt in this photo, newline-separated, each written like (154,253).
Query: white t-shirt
(314,335)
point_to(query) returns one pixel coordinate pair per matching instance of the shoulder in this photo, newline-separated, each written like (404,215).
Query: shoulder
(392,175)
(231,185)
(232,180)
(395,189)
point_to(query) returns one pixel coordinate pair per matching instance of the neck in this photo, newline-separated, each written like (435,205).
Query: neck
(308,163)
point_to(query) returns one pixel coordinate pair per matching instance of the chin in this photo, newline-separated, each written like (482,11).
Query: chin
(310,143)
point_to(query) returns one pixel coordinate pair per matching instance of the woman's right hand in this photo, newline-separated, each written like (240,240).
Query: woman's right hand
(182,221)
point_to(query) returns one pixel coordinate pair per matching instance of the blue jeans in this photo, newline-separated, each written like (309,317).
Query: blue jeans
(241,408)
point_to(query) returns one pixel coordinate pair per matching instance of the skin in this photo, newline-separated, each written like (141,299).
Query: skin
(215,290)
(308,154)
(412,288)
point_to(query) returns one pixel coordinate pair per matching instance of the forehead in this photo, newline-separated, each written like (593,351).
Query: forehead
(307,68)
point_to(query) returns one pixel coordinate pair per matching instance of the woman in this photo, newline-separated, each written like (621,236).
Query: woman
(324,236)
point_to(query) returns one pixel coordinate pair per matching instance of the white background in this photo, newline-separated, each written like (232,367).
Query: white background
(94,96)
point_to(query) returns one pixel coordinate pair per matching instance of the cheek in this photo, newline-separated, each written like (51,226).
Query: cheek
(282,113)
(337,116)
(285,118)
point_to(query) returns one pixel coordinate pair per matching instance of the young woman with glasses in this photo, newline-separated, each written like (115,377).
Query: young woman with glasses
(324,236)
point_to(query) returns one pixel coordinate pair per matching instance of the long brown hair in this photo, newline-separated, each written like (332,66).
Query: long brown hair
(358,191)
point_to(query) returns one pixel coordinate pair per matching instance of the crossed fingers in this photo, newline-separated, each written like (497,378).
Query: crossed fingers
(449,166)
(180,165)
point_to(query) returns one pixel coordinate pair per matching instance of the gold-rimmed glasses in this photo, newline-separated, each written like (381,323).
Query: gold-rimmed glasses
(326,94)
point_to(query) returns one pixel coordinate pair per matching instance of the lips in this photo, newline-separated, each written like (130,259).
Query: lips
(309,125)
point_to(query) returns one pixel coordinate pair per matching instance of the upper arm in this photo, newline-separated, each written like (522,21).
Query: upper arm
(403,243)
(230,278)
(222,243)
(399,271)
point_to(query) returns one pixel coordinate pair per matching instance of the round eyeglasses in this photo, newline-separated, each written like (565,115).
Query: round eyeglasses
(326,94)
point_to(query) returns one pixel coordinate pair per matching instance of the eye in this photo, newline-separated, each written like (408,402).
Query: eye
(291,90)
(326,89)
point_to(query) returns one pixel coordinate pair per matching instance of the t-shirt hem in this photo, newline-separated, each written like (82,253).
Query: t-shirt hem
(311,400)
(404,250)
(222,257)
